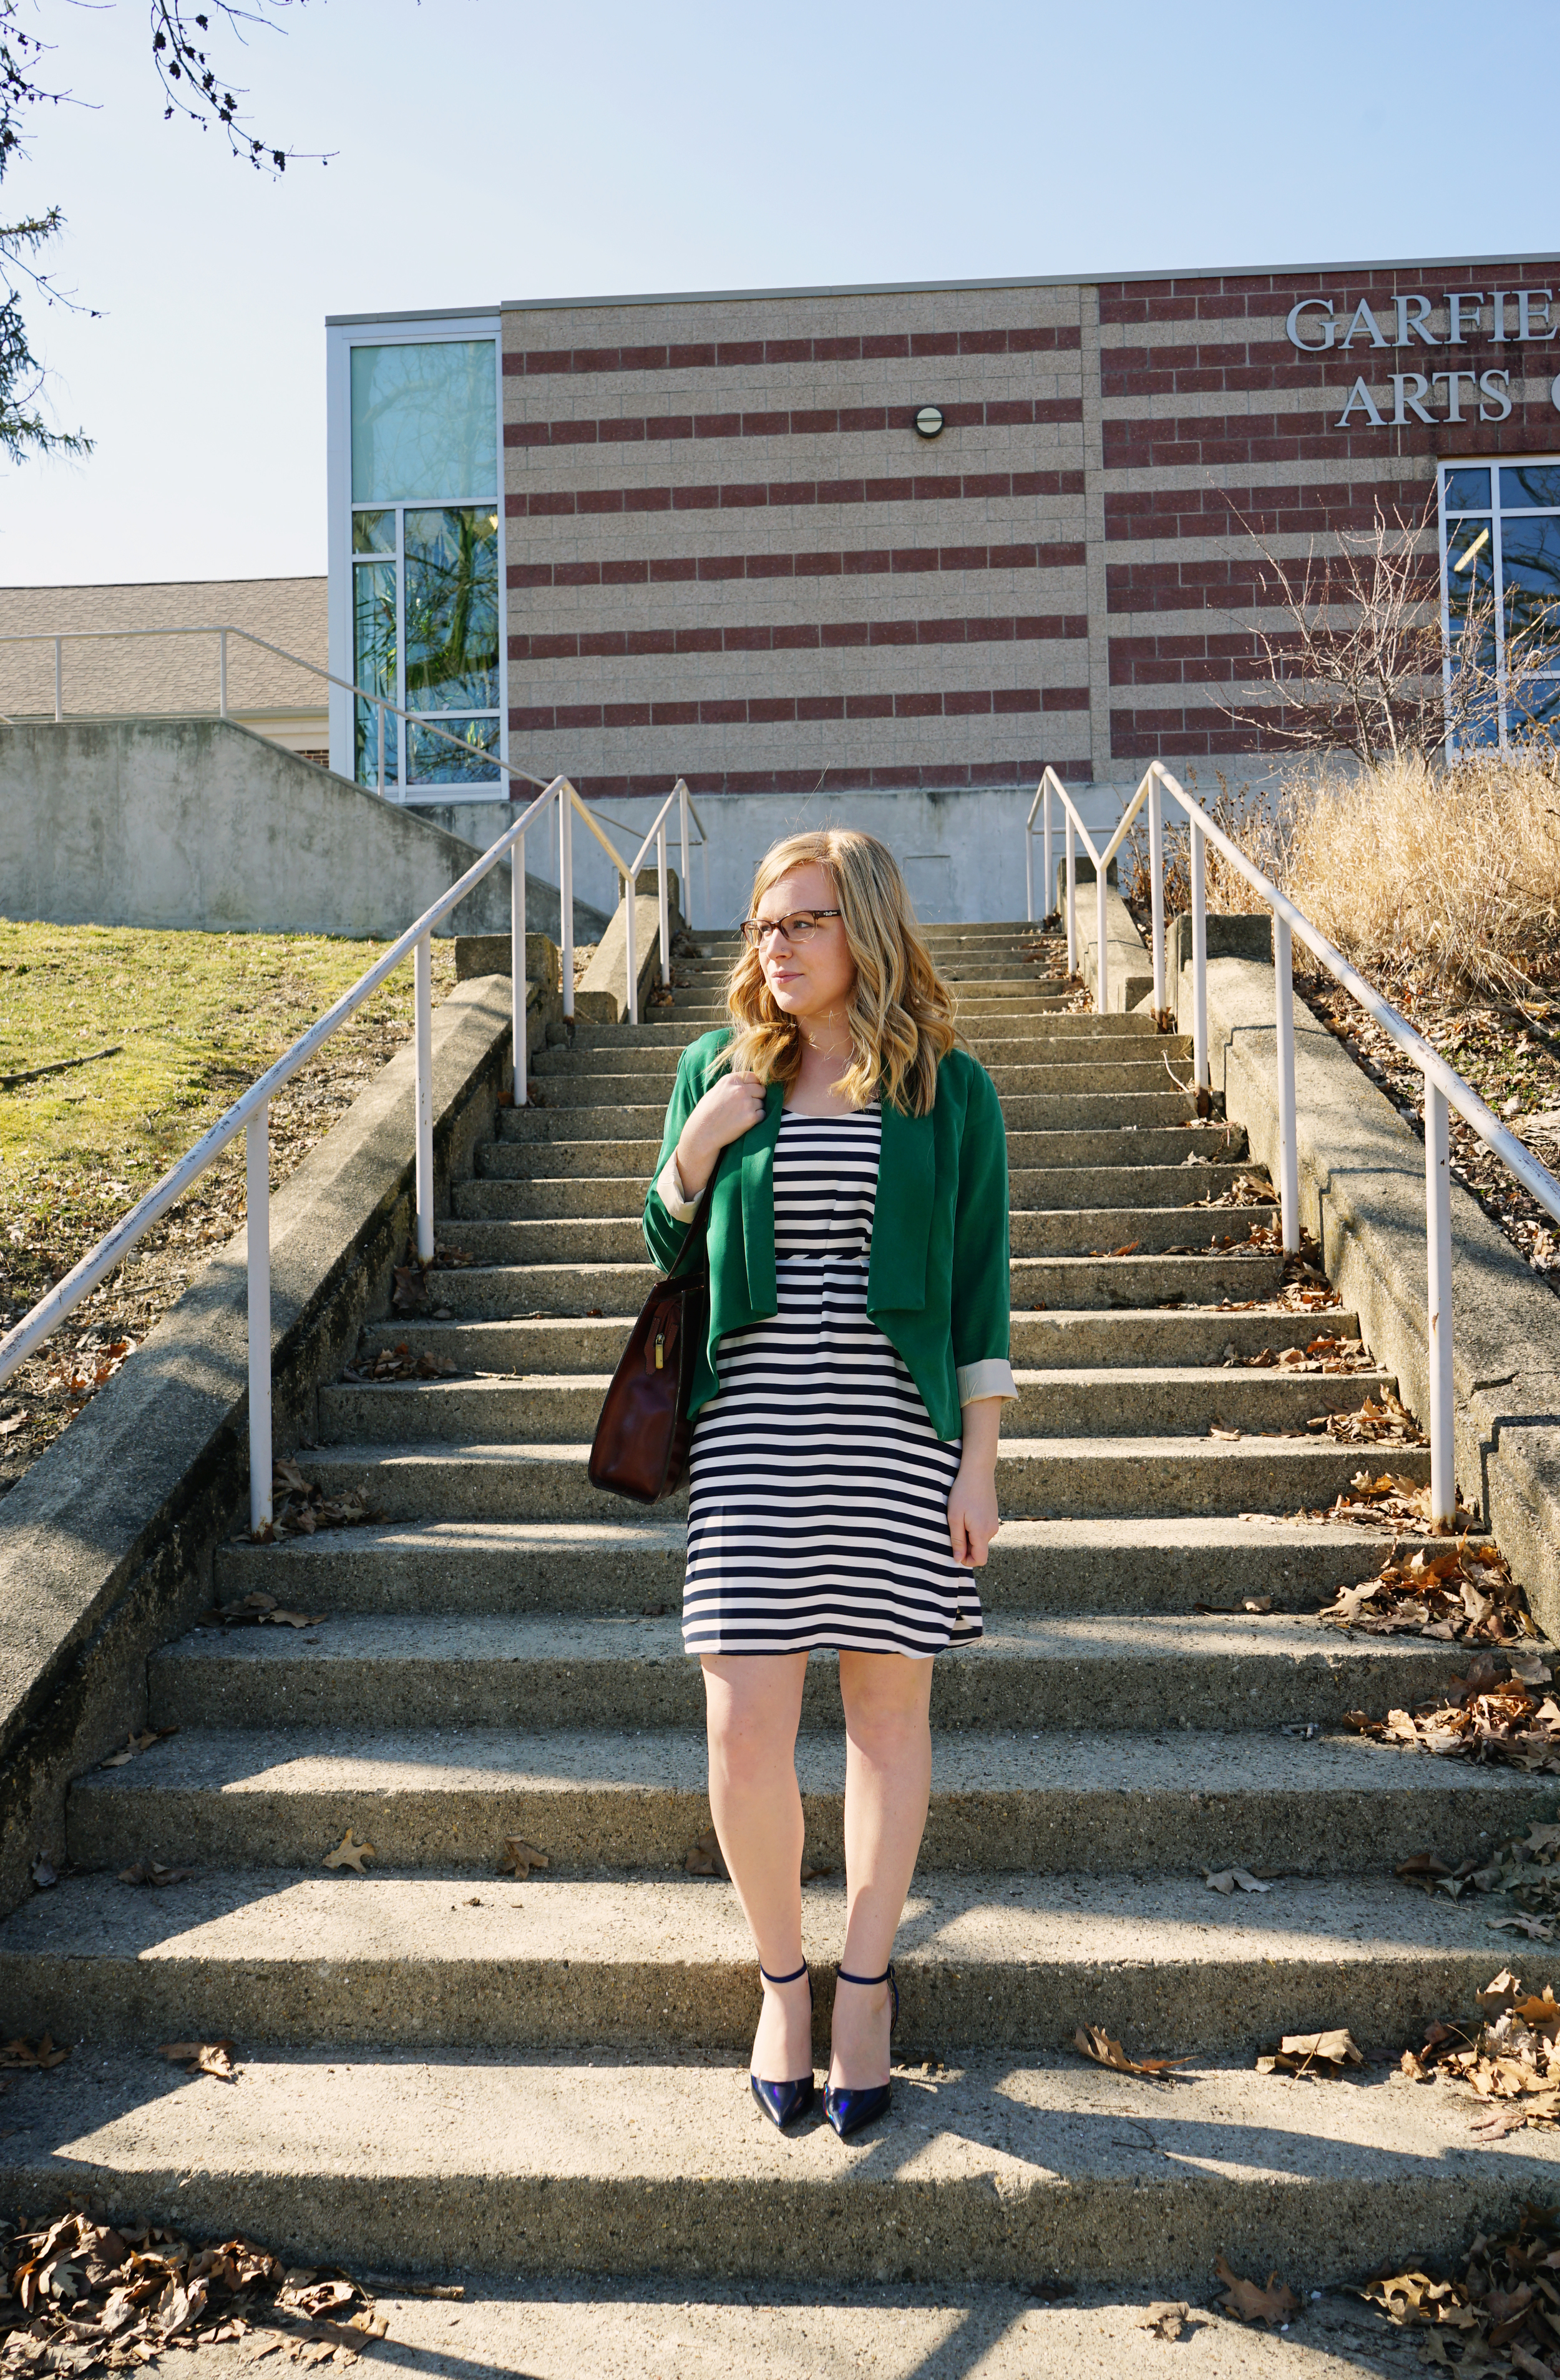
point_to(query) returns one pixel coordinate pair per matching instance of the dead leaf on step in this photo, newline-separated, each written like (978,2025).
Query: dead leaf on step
(44,1872)
(1326,2054)
(21,2054)
(704,1857)
(1467,1594)
(1217,1429)
(1165,2320)
(213,2058)
(1225,1880)
(519,1857)
(1537,1929)
(1233,1610)
(1274,2304)
(399,1362)
(136,1743)
(349,1853)
(1098,2045)
(810,1874)
(150,1871)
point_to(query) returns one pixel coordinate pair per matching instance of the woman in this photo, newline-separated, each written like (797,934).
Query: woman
(844,1456)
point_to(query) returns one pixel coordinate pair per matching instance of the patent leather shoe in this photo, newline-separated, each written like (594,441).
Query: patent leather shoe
(786,2103)
(850,2110)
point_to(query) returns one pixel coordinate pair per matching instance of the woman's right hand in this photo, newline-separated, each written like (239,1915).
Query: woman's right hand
(727,1109)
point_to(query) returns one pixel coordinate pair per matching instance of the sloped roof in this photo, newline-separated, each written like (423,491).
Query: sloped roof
(164,674)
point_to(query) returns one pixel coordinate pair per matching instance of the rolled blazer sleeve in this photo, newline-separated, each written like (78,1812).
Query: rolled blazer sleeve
(980,1275)
(665,1223)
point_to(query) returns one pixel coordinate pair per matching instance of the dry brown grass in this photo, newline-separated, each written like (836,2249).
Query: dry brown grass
(1442,881)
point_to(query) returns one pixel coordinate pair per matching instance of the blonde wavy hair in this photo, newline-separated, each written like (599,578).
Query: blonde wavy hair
(901,1011)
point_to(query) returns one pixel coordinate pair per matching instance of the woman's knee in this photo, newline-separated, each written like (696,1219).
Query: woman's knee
(752,1707)
(886,1699)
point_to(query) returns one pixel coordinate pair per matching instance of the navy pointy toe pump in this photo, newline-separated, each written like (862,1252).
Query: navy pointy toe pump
(785,2103)
(848,2110)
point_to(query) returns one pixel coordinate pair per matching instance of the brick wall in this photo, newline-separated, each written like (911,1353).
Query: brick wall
(731,556)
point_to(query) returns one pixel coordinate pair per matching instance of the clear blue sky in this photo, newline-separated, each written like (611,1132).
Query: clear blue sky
(493,149)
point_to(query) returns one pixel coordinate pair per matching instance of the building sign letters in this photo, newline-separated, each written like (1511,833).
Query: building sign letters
(1465,392)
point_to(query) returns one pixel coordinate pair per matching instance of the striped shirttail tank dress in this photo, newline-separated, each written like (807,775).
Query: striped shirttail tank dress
(818,1502)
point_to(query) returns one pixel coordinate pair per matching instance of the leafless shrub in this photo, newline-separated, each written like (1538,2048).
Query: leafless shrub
(1260,818)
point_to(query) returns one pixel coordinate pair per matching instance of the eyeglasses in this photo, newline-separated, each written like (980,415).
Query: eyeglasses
(799,926)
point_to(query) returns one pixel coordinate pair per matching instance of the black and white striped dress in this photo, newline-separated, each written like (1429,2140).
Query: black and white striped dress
(817,1504)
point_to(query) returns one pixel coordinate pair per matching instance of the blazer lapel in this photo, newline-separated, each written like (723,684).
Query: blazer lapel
(902,1217)
(758,1203)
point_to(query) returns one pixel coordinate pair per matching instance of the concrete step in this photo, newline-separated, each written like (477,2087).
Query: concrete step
(1112,1149)
(559,1344)
(558,1159)
(534,1142)
(492,1224)
(998,2170)
(1130,1061)
(1121,1565)
(620,1125)
(554,1197)
(1134,1400)
(446,1479)
(565,1196)
(538,1672)
(1074,1282)
(608,1801)
(665,1967)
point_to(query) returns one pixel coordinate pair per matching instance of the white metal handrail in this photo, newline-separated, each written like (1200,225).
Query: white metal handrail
(657,835)
(59,638)
(250,1114)
(1444,1087)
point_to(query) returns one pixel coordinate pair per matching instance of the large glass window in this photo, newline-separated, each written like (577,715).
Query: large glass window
(1499,560)
(426,611)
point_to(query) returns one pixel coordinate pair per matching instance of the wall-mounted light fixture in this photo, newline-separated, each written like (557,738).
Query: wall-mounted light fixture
(929,421)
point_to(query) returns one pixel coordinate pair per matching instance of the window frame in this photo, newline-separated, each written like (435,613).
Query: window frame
(1494,463)
(401,330)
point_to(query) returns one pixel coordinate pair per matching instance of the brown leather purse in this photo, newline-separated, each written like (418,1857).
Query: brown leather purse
(640,1446)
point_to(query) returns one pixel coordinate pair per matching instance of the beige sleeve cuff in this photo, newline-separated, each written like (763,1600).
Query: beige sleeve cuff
(675,1198)
(992,1378)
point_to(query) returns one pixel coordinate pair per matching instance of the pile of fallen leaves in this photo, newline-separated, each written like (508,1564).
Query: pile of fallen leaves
(411,1293)
(1526,1870)
(257,1611)
(1389,1501)
(82,2292)
(1244,1191)
(1508,2056)
(1380,1421)
(398,1363)
(1498,1713)
(1319,1355)
(1501,2312)
(1466,1596)
(299,1507)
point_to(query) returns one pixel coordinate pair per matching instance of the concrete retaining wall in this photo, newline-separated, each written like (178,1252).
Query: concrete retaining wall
(199,824)
(106,1542)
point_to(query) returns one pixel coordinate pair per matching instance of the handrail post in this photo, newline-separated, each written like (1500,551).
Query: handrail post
(423,980)
(1288,1147)
(1438,1218)
(256,1223)
(1072,901)
(565,889)
(1029,869)
(59,680)
(631,956)
(1198,958)
(1156,883)
(1102,995)
(686,895)
(222,673)
(517,969)
(1050,880)
(666,918)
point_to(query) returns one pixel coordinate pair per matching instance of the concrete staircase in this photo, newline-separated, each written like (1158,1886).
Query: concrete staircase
(535,2075)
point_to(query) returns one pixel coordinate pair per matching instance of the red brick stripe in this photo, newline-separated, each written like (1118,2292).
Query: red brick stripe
(943,776)
(715,356)
(1245,584)
(746,496)
(755,710)
(1192,660)
(858,563)
(819,422)
(1288,510)
(1194,441)
(803,636)
(1163,734)
(1241,297)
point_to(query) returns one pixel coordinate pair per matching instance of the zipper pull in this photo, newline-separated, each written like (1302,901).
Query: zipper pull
(661,1347)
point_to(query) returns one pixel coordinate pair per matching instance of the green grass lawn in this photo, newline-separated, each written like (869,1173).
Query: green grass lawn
(199,1017)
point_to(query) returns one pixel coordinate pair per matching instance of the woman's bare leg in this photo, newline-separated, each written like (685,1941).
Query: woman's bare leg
(887,1785)
(752,1706)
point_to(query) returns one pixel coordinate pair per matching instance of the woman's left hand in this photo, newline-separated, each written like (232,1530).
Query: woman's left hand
(973,1515)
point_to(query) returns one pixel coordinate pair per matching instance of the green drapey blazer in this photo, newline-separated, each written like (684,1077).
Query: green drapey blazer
(937,1281)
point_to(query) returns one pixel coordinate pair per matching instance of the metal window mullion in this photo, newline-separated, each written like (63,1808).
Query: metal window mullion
(1447,745)
(403,737)
(1499,562)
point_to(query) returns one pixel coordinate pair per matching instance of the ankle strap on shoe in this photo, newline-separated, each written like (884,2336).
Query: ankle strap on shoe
(784,1979)
(862,1979)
